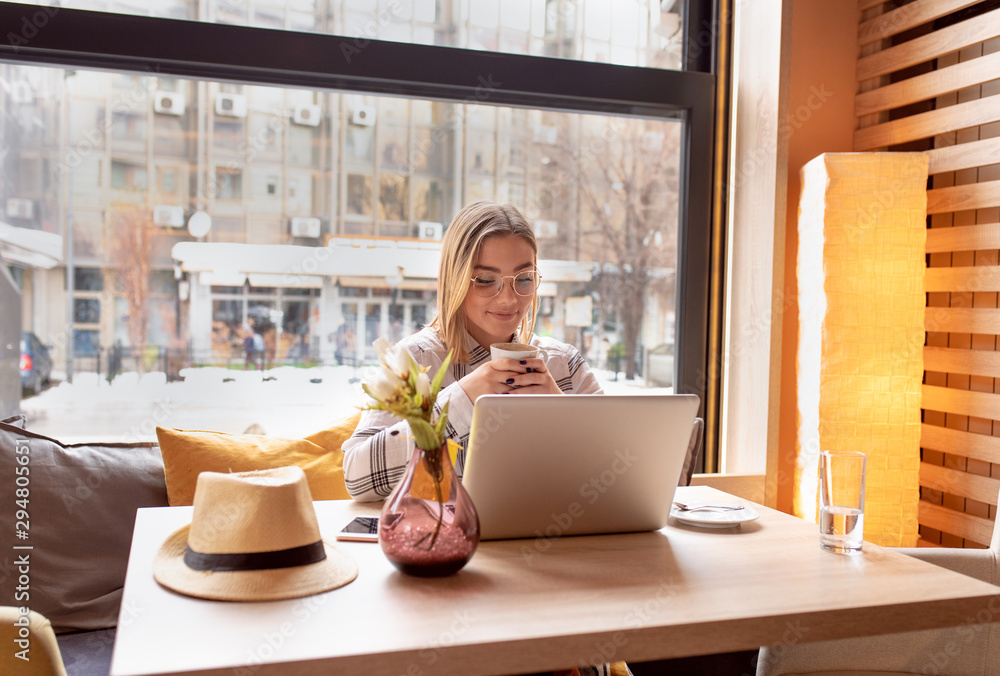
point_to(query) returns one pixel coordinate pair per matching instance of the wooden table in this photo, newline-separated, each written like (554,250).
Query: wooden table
(527,605)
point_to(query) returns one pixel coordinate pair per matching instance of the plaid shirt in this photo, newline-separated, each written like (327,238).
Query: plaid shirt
(375,459)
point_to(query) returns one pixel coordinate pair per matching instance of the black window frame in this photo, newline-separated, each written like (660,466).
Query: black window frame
(73,38)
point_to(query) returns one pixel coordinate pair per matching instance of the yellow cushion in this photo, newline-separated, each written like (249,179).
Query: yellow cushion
(188,453)
(38,655)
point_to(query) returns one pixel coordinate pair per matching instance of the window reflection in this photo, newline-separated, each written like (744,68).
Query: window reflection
(393,197)
(87,310)
(88,279)
(228,184)
(359,194)
(86,342)
(127,175)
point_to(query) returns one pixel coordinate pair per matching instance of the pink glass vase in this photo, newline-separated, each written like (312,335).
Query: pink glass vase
(429,526)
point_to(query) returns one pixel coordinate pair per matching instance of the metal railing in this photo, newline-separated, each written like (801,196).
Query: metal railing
(108,362)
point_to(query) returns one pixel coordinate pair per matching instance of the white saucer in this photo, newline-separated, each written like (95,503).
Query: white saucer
(710,518)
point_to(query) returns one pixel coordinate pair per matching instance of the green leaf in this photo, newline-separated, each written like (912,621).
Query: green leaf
(423,434)
(441,421)
(439,376)
(414,372)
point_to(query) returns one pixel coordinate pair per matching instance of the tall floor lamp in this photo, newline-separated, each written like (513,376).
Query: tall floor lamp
(862,234)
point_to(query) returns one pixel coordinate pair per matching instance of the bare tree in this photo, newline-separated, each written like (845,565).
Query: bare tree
(625,175)
(129,247)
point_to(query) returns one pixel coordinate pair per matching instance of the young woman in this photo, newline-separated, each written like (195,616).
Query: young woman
(487,293)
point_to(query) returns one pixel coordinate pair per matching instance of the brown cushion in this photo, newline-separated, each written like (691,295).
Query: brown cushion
(82,500)
(186,454)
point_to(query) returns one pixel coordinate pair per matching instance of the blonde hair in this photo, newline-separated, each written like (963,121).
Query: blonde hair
(462,242)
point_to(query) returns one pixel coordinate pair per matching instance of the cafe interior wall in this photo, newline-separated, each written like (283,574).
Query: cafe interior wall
(792,121)
(792,98)
(823,54)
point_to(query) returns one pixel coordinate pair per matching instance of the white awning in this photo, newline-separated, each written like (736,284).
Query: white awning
(263,279)
(221,278)
(356,264)
(32,248)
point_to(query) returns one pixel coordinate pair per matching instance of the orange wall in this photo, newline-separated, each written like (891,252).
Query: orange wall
(820,119)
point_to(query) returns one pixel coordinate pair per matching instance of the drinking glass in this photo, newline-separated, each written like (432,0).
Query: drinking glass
(841,500)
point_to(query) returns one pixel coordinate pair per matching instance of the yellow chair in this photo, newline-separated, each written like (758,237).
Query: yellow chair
(970,649)
(29,645)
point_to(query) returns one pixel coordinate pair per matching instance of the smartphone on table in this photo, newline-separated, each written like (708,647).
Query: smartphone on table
(361,529)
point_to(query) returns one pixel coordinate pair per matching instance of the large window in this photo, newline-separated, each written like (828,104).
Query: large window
(260,162)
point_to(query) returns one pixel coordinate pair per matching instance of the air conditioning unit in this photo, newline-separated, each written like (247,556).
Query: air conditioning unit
(168,215)
(169,103)
(545,134)
(305,227)
(363,116)
(430,230)
(309,116)
(231,105)
(546,228)
(20,208)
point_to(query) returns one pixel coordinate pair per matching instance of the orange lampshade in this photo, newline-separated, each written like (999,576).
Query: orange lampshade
(862,233)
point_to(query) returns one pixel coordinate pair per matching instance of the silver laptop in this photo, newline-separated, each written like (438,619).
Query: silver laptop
(551,465)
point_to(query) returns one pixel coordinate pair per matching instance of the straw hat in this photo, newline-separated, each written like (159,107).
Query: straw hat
(253,537)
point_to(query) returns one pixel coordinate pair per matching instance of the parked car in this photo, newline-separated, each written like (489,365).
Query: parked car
(36,363)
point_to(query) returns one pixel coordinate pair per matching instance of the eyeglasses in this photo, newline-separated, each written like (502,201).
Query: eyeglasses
(489,284)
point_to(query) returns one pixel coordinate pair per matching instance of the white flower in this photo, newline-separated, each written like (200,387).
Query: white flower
(381,346)
(394,359)
(382,388)
(408,392)
(423,384)
(399,362)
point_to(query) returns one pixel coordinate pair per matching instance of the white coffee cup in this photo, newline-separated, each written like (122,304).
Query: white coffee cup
(517,351)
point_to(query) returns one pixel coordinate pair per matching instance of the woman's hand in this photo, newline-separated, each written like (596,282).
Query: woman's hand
(509,376)
(533,377)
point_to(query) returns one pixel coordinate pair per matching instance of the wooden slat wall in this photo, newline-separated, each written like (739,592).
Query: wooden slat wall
(929,79)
